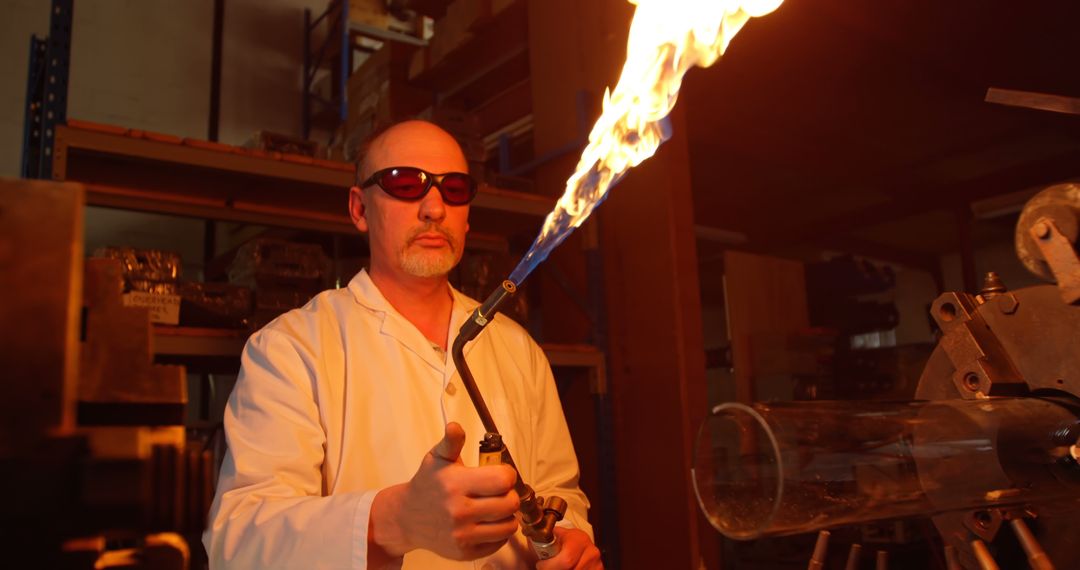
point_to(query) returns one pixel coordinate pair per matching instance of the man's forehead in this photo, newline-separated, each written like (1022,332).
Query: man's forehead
(416,144)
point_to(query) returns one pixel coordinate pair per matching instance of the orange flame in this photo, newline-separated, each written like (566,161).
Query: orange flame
(667,38)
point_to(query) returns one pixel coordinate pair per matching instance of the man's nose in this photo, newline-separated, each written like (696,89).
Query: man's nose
(432,208)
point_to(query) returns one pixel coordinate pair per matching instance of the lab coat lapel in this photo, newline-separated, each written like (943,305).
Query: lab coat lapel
(397,327)
(394,325)
(401,330)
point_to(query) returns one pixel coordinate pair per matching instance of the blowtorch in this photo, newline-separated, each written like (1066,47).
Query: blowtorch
(538,515)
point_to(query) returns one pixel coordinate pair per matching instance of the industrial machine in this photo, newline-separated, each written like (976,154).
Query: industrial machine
(991,440)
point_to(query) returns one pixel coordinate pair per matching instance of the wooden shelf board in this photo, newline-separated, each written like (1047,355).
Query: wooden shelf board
(223,183)
(198,341)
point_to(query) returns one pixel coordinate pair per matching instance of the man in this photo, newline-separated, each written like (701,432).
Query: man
(352,443)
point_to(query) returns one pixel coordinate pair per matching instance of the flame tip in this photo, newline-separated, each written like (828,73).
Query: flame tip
(667,38)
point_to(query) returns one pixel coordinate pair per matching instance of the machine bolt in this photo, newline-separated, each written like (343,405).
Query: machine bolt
(1042,229)
(1007,303)
(992,286)
(971,381)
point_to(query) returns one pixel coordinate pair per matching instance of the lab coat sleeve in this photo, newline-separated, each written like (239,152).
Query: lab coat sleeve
(556,467)
(270,510)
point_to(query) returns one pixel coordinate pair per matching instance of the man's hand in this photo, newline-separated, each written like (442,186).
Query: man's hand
(457,512)
(576,551)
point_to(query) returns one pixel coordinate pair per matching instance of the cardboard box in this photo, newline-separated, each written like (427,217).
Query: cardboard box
(374,13)
(388,62)
(215,305)
(456,28)
(464,126)
(371,109)
(164,308)
(380,95)
(116,364)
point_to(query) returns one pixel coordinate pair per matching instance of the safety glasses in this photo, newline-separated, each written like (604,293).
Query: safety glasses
(411,183)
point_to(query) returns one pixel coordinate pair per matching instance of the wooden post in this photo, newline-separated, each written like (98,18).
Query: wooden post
(763,295)
(41,275)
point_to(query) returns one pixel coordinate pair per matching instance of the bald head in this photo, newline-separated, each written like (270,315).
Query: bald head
(413,143)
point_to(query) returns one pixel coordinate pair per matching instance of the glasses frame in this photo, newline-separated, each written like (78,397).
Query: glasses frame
(430,178)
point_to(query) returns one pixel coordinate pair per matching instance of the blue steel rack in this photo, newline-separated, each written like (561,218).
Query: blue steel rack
(46,91)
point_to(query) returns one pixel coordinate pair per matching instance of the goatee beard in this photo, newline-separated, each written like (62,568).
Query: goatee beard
(420,262)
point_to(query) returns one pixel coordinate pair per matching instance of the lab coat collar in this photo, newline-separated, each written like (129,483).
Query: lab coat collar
(398,327)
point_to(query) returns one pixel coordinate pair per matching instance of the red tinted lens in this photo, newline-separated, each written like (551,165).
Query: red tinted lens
(404,183)
(457,188)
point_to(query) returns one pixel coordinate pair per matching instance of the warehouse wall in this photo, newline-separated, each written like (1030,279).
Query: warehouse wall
(146,64)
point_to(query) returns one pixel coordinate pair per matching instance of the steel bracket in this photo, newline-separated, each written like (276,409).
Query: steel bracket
(1060,256)
(982,365)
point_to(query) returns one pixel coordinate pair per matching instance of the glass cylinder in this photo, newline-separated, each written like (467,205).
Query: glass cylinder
(788,468)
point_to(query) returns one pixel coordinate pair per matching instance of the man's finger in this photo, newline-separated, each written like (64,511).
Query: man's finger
(488,509)
(590,559)
(491,481)
(496,531)
(449,447)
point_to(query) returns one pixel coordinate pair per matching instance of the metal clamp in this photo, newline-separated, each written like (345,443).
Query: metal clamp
(1059,254)
(982,365)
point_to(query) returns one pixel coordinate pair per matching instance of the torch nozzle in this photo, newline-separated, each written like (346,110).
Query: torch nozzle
(483,314)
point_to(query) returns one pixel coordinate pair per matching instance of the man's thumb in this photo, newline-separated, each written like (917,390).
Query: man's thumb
(449,448)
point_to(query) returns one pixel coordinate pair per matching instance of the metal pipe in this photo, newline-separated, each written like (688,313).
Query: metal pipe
(821,548)
(982,555)
(951,561)
(853,557)
(1035,553)
(472,327)
(882,562)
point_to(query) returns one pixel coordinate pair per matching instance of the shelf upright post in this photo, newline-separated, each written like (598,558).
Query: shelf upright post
(47,91)
(345,62)
(214,122)
(305,96)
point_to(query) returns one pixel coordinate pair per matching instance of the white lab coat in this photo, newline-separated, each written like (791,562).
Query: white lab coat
(344,397)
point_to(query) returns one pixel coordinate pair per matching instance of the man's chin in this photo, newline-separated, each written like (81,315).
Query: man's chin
(422,264)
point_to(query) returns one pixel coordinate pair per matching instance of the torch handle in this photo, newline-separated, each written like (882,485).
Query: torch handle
(538,516)
(545,551)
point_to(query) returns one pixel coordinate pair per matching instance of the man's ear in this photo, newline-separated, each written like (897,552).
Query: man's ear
(357,209)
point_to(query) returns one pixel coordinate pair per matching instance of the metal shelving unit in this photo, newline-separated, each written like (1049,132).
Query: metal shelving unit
(336,54)
(151,172)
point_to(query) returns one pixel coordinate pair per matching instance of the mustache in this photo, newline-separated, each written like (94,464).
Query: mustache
(431,227)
